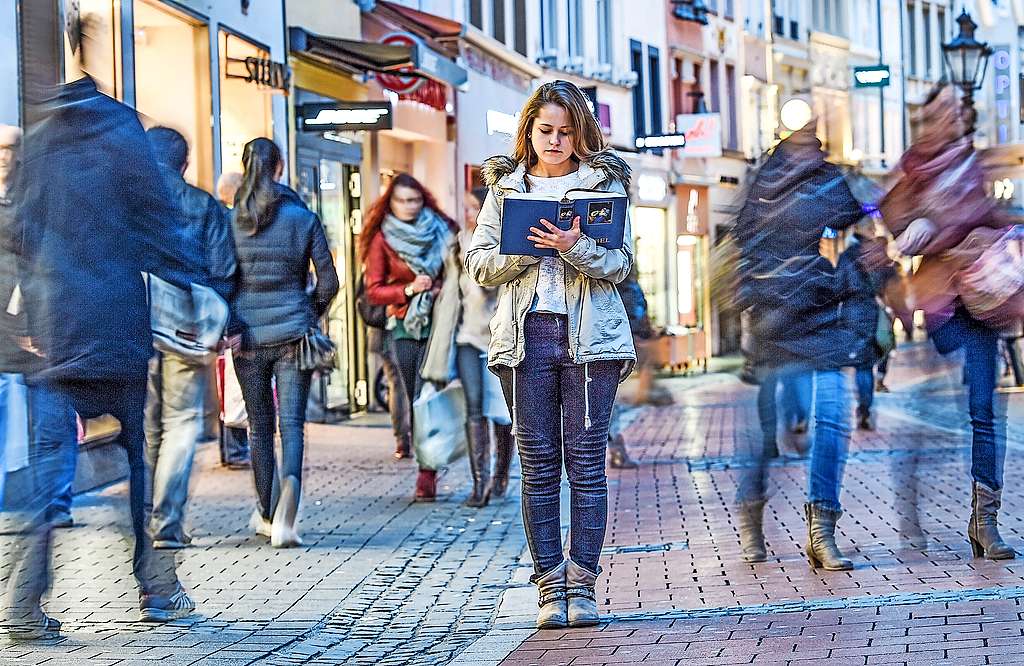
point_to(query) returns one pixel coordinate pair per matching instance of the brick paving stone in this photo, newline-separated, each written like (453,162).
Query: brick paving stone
(916,593)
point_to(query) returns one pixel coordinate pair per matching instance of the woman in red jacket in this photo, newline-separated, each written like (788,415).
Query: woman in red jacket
(403,245)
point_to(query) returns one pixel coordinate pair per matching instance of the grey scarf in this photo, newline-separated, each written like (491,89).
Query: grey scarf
(421,245)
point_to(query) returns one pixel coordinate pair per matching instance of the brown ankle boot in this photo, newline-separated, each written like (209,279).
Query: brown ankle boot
(983,528)
(821,548)
(750,516)
(504,444)
(479,437)
(618,457)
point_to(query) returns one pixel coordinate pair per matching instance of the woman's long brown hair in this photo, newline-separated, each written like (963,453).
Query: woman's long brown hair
(382,207)
(587,137)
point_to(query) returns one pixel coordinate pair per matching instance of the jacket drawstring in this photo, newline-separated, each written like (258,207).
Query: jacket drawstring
(514,422)
(586,396)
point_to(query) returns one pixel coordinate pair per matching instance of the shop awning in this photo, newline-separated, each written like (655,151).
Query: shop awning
(434,27)
(351,54)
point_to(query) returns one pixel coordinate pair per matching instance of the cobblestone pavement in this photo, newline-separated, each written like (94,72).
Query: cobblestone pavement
(677,591)
(382,580)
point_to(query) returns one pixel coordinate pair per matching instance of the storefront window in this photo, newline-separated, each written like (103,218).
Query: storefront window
(649,227)
(98,39)
(172,81)
(245,107)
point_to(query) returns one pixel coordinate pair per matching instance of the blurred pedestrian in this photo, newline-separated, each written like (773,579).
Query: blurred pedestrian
(276,238)
(86,241)
(235,437)
(178,385)
(403,244)
(796,303)
(472,338)
(863,313)
(644,337)
(560,341)
(969,283)
(51,424)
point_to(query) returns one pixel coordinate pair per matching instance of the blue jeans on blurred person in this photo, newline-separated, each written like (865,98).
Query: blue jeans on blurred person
(255,369)
(831,438)
(551,410)
(865,378)
(796,395)
(54,428)
(981,350)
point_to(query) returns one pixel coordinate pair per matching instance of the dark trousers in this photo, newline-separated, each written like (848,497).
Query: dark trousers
(255,369)
(981,350)
(407,356)
(552,405)
(29,576)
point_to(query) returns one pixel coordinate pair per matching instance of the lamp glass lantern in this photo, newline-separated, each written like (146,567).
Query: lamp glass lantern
(966,58)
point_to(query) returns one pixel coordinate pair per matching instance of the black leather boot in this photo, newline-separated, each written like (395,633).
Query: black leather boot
(479,437)
(504,444)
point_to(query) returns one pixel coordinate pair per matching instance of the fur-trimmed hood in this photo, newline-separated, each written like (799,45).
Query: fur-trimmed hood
(615,169)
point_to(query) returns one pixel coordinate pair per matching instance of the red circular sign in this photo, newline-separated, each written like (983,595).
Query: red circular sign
(402,85)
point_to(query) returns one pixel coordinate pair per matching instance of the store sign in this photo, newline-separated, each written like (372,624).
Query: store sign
(1001,71)
(344,116)
(502,123)
(874,76)
(703,133)
(426,63)
(660,141)
(264,72)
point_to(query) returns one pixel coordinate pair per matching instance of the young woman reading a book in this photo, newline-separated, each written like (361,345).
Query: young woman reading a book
(560,341)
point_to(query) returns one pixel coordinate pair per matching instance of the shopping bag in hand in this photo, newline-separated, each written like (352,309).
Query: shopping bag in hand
(495,407)
(439,425)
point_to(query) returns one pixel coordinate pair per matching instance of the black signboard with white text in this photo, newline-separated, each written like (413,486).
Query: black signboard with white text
(344,116)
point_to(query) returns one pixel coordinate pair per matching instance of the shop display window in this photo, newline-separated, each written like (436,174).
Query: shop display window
(245,107)
(172,81)
(650,229)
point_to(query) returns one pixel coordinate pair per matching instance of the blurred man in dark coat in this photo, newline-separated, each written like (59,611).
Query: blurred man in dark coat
(95,215)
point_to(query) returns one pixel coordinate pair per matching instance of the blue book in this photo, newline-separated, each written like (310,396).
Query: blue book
(602,217)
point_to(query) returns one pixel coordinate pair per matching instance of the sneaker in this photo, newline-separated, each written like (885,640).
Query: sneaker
(45,628)
(155,608)
(62,521)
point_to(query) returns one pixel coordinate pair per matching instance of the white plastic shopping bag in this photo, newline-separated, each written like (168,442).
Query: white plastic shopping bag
(495,407)
(439,425)
(234,415)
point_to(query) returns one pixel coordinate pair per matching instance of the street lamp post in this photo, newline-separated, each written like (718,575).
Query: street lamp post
(966,63)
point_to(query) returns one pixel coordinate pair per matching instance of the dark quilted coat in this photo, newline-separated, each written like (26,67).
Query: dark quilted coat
(273,302)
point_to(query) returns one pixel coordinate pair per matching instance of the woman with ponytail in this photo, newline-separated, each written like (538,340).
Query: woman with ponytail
(276,239)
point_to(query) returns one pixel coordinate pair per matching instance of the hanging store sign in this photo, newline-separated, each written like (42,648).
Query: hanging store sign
(344,116)
(873,76)
(261,71)
(426,63)
(655,141)
(1001,70)
(703,133)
